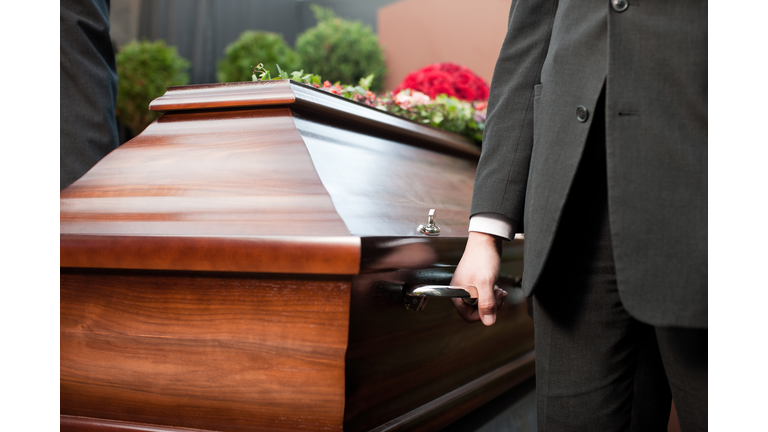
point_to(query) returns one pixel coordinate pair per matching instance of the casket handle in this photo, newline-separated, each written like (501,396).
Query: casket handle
(417,294)
(469,291)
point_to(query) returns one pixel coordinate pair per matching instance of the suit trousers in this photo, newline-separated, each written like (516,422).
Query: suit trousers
(598,368)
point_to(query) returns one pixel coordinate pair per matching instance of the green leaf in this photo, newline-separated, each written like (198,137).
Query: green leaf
(281,74)
(366,82)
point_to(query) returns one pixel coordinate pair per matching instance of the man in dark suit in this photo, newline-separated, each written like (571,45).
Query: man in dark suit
(88,87)
(596,148)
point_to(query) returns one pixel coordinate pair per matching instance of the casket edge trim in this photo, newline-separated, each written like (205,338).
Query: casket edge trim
(338,255)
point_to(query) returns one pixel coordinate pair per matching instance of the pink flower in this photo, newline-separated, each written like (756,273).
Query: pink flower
(408,98)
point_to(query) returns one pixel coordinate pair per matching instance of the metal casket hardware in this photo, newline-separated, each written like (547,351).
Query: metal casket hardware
(430,229)
(417,296)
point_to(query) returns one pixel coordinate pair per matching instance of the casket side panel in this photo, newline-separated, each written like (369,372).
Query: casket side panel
(228,352)
(398,360)
(382,187)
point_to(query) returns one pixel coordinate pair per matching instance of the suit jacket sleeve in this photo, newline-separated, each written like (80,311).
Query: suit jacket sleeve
(502,172)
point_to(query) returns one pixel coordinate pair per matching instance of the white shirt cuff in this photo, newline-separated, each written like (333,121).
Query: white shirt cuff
(494,224)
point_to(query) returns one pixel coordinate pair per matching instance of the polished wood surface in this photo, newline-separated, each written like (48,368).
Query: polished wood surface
(318,102)
(399,360)
(226,95)
(89,424)
(385,188)
(211,351)
(241,267)
(315,255)
(241,173)
(206,188)
(195,184)
(446,409)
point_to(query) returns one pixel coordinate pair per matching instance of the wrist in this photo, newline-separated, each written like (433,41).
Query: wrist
(482,239)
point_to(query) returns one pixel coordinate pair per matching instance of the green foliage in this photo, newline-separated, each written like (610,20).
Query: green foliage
(254,47)
(341,50)
(145,69)
(444,112)
(260,73)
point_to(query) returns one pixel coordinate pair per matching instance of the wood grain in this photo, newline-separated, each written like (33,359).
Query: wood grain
(208,351)
(399,360)
(382,187)
(320,103)
(89,424)
(217,173)
(238,266)
(313,255)
(226,95)
(453,405)
(212,190)
(201,191)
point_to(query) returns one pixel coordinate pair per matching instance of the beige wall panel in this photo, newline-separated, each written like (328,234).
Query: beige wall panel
(415,33)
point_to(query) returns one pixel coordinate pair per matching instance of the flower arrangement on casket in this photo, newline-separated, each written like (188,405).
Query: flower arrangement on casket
(443,110)
(446,78)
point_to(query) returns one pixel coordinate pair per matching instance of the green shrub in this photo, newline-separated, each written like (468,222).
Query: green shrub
(252,48)
(145,70)
(340,50)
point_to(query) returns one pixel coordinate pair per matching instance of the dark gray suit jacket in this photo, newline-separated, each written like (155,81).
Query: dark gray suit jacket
(88,87)
(652,59)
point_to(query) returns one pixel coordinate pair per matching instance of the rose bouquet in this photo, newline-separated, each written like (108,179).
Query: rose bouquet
(443,111)
(446,78)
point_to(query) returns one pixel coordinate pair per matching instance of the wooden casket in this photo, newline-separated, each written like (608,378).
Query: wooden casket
(241,265)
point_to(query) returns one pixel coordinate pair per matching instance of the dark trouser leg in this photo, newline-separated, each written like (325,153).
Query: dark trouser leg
(597,368)
(685,359)
(88,87)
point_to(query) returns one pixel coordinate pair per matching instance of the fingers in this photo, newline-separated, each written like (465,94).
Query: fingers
(497,300)
(479,266)
(486,303)
(467,312)
(501,296)
(471,313)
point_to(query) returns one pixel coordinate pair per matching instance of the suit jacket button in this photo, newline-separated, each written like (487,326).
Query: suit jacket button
(582,113)
(619,5)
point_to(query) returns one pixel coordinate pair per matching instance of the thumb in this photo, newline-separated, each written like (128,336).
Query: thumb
(486,304)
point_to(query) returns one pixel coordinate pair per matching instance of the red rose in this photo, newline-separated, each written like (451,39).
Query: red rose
(440,88)
(448,78)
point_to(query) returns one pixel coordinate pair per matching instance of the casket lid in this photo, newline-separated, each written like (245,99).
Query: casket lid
(319,102)
(274,177)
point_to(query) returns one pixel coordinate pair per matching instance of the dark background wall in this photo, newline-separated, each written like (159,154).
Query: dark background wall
(202,29)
